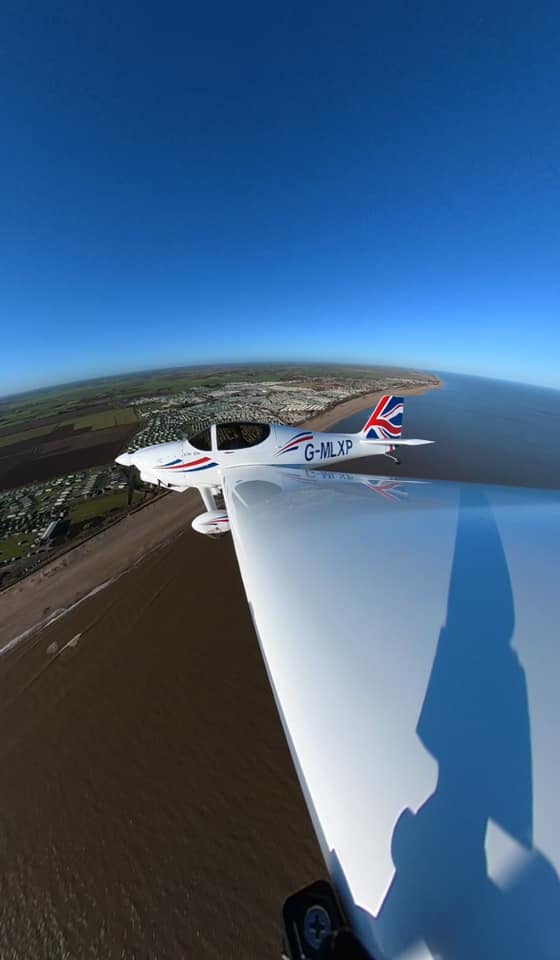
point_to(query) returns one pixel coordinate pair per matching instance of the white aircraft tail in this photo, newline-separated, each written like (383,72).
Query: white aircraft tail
(384,424)
(385,421)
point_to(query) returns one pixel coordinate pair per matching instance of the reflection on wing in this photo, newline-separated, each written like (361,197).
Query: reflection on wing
(390,489)
(412,646)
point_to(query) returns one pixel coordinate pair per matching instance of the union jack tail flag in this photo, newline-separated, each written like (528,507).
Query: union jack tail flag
(385,423)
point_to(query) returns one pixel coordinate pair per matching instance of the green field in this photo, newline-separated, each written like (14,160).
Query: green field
(107,418)
(118,417)
(62,401)
(99,506)
(26,435)
(10,547)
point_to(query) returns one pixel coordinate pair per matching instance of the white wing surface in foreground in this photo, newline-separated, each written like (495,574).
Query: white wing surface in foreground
(412,640)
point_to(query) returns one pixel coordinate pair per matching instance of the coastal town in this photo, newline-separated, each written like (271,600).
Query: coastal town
(288,402)
(42,517)
(37,517)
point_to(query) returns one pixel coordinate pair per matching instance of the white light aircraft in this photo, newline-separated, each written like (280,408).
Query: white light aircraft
(410,635)
(201,460)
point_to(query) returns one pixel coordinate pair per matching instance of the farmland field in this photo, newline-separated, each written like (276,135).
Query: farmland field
(64,449)
(104,419)
(53,433)
(22,435)
(69,401)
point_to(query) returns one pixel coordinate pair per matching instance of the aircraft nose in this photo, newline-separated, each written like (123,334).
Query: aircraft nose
(124,459)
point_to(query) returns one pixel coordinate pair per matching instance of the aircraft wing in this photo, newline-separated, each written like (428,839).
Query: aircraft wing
(410,633)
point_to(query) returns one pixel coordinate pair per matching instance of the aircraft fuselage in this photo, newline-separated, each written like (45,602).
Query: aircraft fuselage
(180,465)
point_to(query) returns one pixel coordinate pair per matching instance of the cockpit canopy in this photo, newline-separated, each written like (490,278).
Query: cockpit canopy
(238,436)
(231,436)
(202,440)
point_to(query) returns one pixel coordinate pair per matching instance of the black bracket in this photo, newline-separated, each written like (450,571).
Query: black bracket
(315,929)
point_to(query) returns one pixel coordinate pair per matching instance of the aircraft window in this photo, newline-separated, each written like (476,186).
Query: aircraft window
(239,436)
(201,441)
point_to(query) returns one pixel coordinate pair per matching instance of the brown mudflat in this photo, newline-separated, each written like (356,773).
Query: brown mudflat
(148,807)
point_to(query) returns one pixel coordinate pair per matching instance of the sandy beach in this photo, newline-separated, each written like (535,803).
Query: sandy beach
(40,597)
(149,807)
(328,418)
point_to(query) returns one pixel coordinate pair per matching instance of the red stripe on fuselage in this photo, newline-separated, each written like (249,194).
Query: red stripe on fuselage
(295,443)
(190,463)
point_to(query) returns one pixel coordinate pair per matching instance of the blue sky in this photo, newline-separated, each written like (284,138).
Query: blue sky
(189,182)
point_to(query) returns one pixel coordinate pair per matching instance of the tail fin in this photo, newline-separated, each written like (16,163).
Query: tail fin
(385,422)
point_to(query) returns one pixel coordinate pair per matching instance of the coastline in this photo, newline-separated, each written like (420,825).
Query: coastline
(34,602)
(332,415)
(46,594)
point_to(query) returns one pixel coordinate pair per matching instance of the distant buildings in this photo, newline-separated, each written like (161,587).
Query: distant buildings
(31,517)
(177,416)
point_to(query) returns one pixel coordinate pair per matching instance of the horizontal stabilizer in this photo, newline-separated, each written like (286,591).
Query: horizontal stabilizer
(398,443)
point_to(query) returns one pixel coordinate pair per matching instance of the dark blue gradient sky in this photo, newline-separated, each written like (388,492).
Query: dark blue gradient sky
(363,182)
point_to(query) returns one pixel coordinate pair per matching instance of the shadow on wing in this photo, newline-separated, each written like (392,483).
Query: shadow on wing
(445,892)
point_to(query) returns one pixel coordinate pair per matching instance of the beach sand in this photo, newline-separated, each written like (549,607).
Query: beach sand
(149,807)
